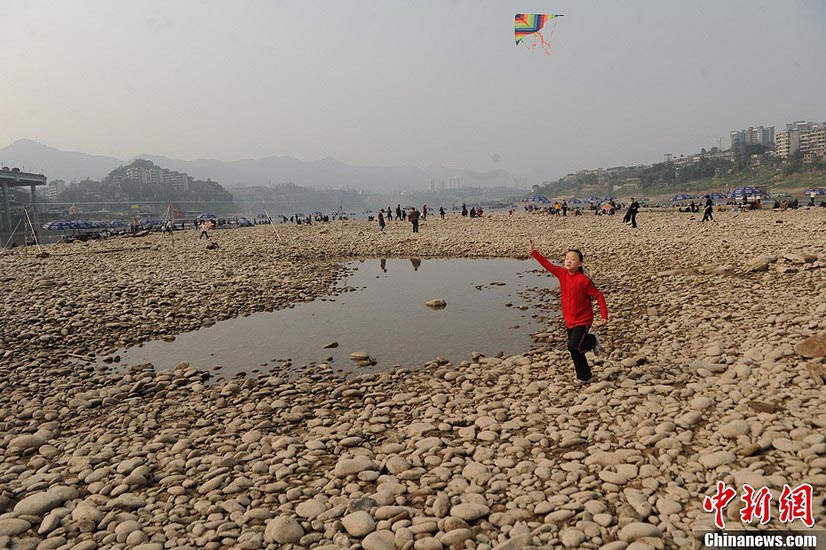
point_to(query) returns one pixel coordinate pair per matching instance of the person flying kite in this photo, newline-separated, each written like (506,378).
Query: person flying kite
(526,24)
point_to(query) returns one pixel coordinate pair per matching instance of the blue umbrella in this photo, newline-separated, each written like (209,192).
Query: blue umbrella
(207,216)
(244,222)
(609,198)
(57,225)
(716,196)
(593,198)
(574,200)
(537,198)
(261,216)
(815,190)
(117,223)
(681,197)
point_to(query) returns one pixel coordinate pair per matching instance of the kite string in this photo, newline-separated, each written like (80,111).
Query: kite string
(546,45)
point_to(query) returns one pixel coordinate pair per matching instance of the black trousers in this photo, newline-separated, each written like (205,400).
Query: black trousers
(415,226)
(707,214)
(633,218)
(579,341)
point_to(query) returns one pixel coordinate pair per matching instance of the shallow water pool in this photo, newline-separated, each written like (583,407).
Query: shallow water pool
(376,307)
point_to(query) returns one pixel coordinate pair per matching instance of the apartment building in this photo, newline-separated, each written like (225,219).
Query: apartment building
(54,188)
(753,135)
(807,137)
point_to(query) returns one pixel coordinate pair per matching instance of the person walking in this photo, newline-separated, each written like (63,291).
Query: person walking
(167,228)
(414,219)
(707,213)
(564,209)
(577,292)
(381,220)
(204,228)
(424,212)
(399,212)
(633,209)
(442,212)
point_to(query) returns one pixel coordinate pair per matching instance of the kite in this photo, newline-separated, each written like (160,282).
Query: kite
(526,24)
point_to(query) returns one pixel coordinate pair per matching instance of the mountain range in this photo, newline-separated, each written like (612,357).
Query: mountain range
(32,156)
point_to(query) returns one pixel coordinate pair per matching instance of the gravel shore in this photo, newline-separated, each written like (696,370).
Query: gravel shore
(704,379)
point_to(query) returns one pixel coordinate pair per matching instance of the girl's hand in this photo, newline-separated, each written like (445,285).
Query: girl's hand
(532,248)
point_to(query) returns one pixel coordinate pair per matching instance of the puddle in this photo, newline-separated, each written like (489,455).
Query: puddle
(377,307)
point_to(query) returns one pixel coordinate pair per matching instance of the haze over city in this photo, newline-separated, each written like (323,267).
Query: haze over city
(397,83)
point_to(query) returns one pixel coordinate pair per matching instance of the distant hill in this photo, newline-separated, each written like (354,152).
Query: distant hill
(269,171)
(56,164)
(330,173)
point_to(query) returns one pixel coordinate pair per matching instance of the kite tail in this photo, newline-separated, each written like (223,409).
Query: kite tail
(546,44)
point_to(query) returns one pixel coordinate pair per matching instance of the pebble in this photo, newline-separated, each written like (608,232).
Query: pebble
(479,451)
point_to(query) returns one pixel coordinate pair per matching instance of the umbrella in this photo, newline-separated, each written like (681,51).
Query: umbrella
(815,190)
(261,216)
(574,200)
(117,223)
(593,198)
(609,198)
(537,198)
(57,225)
(681,197)
(244,222)
(716,196)
(206,216)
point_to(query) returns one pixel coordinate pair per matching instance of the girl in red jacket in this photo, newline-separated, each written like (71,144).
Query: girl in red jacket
(577,292)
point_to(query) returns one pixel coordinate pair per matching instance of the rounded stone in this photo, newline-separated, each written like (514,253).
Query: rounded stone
(283,530)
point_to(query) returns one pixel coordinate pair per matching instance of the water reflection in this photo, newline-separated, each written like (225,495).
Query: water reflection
(383,315)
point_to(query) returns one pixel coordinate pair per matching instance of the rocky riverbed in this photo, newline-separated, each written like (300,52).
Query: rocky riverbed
(700,383)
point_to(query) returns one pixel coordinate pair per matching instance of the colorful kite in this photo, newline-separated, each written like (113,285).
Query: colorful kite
(526,24)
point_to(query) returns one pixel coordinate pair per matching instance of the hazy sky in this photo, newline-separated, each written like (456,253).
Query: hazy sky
(406,82)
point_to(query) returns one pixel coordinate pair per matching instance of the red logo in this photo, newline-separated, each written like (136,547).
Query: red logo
(756,504)
(797,504)
(718,502)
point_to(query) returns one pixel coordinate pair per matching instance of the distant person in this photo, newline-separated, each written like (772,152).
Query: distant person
(381,220)
(414,219)
(632,212)
(709,209)
(424,212)
(398,212)
(389,214)
(204,228)
(383,263)
(577,293)
(464,210)
(472,211)
(812,198)
(167,228)
(442,212)
(564,208)
(416,262)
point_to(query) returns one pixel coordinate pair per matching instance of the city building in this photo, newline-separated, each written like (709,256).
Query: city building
(753,136)
(54,188)
(813,143)
(146,173)
(806,137)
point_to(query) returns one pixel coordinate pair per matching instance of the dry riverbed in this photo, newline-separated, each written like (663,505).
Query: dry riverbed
(700,383)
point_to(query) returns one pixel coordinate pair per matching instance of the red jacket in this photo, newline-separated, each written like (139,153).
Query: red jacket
(577,291)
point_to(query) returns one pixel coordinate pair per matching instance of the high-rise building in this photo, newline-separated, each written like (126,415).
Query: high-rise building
(806,137)
(54,188)
(753,136)
(813,143)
